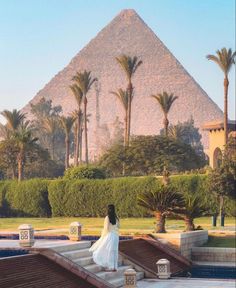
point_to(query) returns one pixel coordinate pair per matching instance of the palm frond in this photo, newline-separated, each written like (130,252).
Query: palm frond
(129,64)
(123,97)
(224,59)
(165,101)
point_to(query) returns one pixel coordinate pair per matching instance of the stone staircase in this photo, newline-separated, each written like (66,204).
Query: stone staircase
(79,253)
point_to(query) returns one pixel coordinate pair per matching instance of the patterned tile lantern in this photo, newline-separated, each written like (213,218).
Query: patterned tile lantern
(75,231)
(130,278)
(26,235)
(163,269)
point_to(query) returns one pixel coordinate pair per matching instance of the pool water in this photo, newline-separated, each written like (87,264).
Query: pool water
(10,253)
(219,272)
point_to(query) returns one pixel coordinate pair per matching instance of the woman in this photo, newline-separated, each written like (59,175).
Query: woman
(105,250)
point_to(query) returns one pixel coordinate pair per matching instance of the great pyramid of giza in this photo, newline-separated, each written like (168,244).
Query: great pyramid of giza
(128,34)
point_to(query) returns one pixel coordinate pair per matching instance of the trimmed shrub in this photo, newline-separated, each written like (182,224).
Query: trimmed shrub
(89,198)
(28,198)
(85,172)
(4,206)
(190,183)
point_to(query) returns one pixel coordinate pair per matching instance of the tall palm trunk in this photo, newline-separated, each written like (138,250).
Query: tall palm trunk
(221,206)
(67,143)
(79,155)
(77,139)
(85,130)
(20,165)
(75,144)
(189,225)
(226,85)
(126,129)
(166,124)
(52,148)
(80,145)
(161,220)
(130,89)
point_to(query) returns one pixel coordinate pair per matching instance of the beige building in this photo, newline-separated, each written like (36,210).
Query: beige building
(216,140)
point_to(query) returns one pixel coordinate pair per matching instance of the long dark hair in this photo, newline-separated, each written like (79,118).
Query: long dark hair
(112,214)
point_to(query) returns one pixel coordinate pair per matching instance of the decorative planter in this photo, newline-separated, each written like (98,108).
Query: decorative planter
(163,269)
(75,231)
(130,278)
(26,235)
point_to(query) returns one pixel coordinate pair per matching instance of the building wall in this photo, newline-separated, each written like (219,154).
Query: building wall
(216,140)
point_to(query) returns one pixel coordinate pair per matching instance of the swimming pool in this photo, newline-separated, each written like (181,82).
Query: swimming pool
(220,272)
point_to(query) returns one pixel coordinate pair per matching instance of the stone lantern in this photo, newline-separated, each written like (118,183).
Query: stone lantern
(26,235)
(75,231)
(130,278)
(163,269)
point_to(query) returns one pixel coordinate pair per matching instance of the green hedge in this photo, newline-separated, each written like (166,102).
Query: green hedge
(86,198)
(27,198)
(89,198)
(4,206)
(85,172)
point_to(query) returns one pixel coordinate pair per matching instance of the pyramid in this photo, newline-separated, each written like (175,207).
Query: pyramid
(161,71)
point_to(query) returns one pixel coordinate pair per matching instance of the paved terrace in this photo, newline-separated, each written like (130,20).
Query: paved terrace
(146,283)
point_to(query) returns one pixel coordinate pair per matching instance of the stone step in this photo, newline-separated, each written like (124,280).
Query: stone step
(119,281)
(94,268)
(75,254)
(84,261)
(72,246)
(111,275)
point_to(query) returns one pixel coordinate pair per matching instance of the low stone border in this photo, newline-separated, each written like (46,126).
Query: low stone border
(213,254)
(184,241)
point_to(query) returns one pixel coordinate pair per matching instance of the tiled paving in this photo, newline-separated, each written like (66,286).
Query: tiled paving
(186,283)
(38,243)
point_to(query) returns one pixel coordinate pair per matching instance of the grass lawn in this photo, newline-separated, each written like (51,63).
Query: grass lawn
(226,241)
(93,226)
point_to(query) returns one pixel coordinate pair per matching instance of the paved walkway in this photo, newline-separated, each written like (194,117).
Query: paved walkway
(38,243)
(186,283)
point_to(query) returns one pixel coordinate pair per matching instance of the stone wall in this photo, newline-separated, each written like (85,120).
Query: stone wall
(212,254)
(185,241)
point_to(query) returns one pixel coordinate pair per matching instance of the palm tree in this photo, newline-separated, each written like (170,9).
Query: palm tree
(67,123)
(25,141)
(175,132)
(165,101)
(225,59)
(193,208)
(123,96)
(161,202)
(50,125)
(14,119)
(78,94)
(129,66)
(85,81)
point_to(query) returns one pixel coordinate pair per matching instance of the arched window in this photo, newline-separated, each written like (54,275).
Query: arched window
(217,158)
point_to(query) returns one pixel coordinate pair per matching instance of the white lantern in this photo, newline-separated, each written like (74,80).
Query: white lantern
(75,231)
(26,235)
(163,269)
(130,278)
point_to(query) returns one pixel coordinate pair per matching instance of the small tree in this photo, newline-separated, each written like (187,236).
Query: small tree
(85,81)
(25,142)
(194,207)
(67,123)
(162,201)
(129,65)
(165,102)
(222,183)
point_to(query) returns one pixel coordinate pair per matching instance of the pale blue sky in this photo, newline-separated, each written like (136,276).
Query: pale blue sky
(38,38)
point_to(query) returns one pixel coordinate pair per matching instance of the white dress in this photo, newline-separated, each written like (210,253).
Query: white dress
(105,249)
